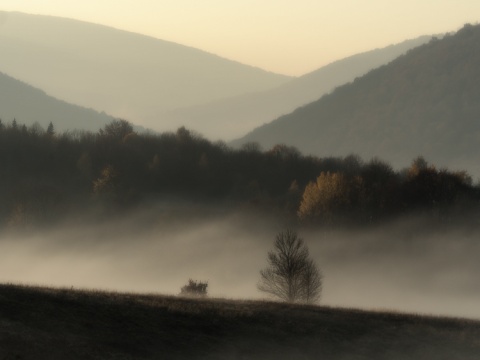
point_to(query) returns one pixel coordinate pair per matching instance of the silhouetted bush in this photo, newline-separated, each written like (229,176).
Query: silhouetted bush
(194,288)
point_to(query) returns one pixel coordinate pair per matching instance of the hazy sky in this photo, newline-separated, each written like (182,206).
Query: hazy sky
(285,36)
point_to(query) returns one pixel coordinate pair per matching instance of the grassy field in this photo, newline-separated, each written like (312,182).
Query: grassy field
(46,323)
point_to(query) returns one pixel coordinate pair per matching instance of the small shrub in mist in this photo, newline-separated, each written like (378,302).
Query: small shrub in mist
(194,288)
(291,276)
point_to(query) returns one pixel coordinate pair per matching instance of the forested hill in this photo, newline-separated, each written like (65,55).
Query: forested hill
(29,105)
(47,176)
(425,102)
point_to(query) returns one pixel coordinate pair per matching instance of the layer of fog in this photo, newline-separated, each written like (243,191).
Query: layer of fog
(400,266)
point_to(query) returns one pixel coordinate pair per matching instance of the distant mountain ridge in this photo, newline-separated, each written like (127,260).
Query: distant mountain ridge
(29,105)
(234,117)
(125,74)
(423,103)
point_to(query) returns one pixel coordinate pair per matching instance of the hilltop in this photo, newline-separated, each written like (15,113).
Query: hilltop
(423,103)
(47,323)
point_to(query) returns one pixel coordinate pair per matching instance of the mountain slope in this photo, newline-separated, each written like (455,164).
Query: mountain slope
(29,105)
(234,117)
(125,74)
(423,103)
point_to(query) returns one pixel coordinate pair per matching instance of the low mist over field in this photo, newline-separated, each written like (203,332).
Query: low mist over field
(402,266)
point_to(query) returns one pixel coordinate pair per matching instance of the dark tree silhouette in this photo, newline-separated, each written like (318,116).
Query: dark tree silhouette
(117,129)
(50,129)
(311,283)
(291,275)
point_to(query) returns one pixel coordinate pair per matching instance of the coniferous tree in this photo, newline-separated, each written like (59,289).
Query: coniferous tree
(50,129)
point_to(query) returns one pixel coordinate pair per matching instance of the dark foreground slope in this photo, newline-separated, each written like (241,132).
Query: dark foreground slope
(42,323)
(425,102)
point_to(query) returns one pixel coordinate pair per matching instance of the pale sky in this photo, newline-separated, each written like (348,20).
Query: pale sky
(286,36)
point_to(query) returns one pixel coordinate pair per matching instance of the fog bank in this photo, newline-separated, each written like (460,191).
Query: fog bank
(403,266)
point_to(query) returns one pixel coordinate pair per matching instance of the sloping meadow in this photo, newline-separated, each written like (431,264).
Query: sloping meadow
(46,323)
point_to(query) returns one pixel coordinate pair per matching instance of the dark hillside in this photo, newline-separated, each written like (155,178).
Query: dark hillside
(425,102)
(44,323)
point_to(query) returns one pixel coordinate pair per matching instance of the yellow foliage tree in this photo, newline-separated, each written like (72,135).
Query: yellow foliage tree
(106,186)
(323,199)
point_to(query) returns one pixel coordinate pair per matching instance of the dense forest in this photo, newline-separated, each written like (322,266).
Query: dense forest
(45,177)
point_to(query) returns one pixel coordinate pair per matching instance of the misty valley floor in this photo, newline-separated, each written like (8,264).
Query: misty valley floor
(47,323)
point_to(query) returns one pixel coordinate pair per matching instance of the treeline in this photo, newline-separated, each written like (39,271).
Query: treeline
(45,177)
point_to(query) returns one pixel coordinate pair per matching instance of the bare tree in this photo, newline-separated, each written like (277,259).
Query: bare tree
(291,275)
(311,283)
